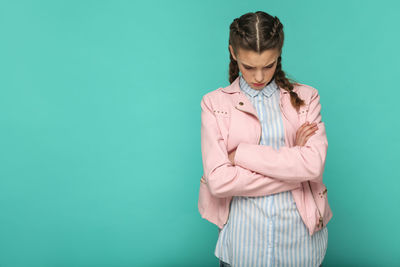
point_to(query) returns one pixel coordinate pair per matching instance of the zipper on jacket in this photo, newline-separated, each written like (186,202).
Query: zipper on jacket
(321,222)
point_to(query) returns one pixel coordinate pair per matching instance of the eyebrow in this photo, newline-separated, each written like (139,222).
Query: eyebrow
(264,66)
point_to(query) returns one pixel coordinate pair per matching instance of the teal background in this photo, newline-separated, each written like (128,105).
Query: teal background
(100,156)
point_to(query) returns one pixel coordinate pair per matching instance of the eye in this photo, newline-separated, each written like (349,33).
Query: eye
(250,68)
(270,66)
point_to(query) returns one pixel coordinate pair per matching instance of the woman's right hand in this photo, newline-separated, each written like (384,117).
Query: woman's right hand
(305,131)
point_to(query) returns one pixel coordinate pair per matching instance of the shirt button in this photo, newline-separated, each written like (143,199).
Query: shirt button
(241,103)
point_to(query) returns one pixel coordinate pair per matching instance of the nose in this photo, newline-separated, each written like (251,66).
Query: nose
(259,77)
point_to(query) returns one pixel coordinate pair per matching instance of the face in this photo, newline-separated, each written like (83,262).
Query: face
(257,69)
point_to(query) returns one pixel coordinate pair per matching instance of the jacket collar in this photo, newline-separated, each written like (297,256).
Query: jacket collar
(268,90)
(235,87)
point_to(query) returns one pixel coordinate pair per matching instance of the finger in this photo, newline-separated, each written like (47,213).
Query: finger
(301,142)
(310,130)
(303,126)
(306,132)
(311,125)
(303,131)
(305,123)
(308,137)
(301,136)
(309,134)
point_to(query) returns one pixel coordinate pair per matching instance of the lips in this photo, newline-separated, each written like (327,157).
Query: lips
(258,84)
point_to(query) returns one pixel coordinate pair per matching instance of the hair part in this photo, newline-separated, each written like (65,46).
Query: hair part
(259,31)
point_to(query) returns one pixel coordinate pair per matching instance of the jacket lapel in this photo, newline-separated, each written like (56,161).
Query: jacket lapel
(241,102)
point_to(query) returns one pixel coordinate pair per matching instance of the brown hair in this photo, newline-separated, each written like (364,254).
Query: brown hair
(258,32)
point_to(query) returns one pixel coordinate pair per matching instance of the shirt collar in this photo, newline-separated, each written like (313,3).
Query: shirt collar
(268,90)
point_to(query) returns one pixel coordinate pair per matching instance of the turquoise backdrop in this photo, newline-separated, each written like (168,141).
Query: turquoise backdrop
(100,157)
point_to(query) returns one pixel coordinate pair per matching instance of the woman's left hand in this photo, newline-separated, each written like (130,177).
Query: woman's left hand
(231,156)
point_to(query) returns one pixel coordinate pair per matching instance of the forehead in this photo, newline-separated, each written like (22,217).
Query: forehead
(255,59)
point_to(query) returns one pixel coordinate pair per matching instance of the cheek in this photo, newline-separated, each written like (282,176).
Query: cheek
(271,72)
(245,73)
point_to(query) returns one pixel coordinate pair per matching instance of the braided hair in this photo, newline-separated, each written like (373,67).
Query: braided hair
(258,32)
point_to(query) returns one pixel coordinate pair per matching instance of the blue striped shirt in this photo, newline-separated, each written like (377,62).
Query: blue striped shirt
(268,230)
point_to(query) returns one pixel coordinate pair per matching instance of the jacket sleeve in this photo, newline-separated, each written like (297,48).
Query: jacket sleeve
(221,176)
(297,163)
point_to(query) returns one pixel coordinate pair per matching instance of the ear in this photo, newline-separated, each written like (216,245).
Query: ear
(232,52)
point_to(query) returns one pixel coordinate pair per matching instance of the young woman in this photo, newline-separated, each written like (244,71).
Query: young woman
(264,147)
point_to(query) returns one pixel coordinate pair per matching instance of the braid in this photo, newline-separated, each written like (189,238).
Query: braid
(233,65)
(275,28)
(241,33)
(233,69)
(236,27)
(282,81)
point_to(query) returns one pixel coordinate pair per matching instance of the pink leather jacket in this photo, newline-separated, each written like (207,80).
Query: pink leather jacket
(229,122)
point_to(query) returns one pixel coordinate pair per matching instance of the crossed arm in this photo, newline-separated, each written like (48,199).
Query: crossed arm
(224,179)
(290,164)
(260,170)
